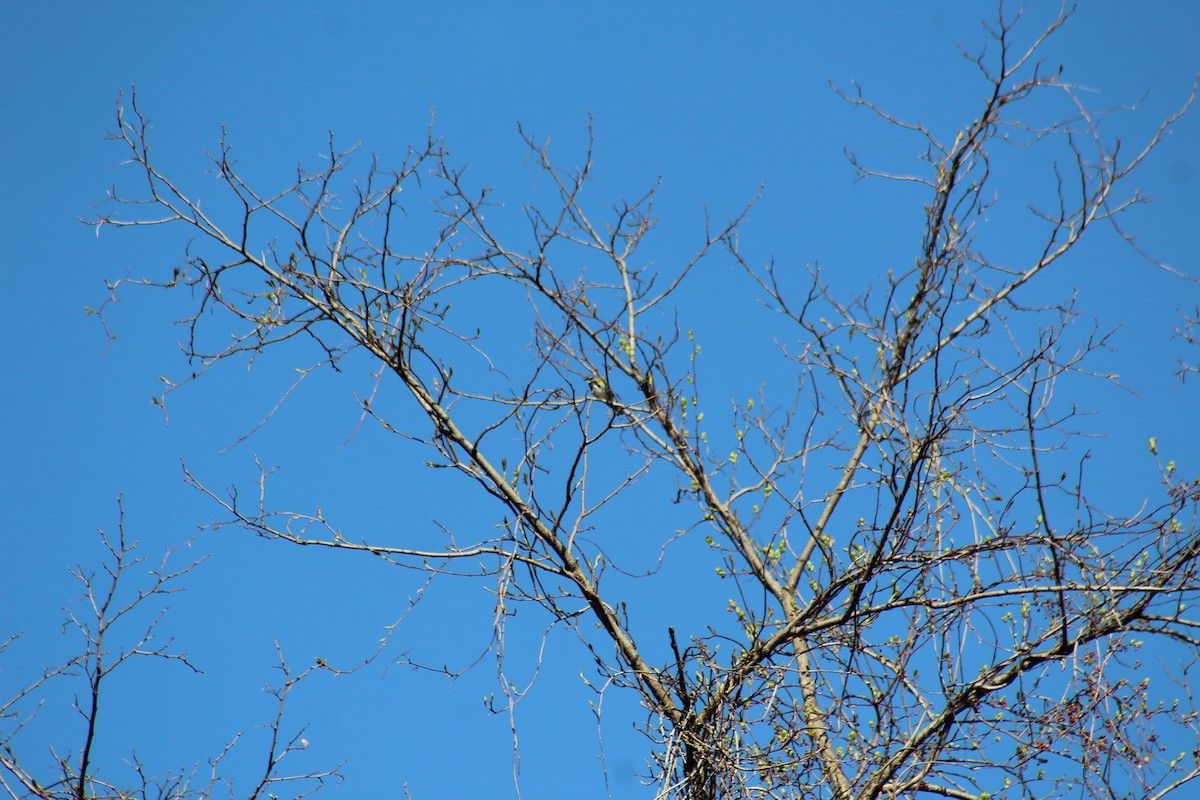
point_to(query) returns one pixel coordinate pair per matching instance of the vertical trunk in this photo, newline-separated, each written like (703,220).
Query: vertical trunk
(699,776)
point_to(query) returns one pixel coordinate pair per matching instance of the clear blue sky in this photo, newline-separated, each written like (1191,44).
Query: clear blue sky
(714,98)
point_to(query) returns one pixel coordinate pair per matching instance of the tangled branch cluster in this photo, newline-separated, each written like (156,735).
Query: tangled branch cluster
(924,599)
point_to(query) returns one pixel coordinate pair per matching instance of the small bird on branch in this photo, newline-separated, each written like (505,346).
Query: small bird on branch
(603,392)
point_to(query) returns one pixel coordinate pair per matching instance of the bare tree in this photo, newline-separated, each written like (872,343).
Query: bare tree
(118,618)
(921,596)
